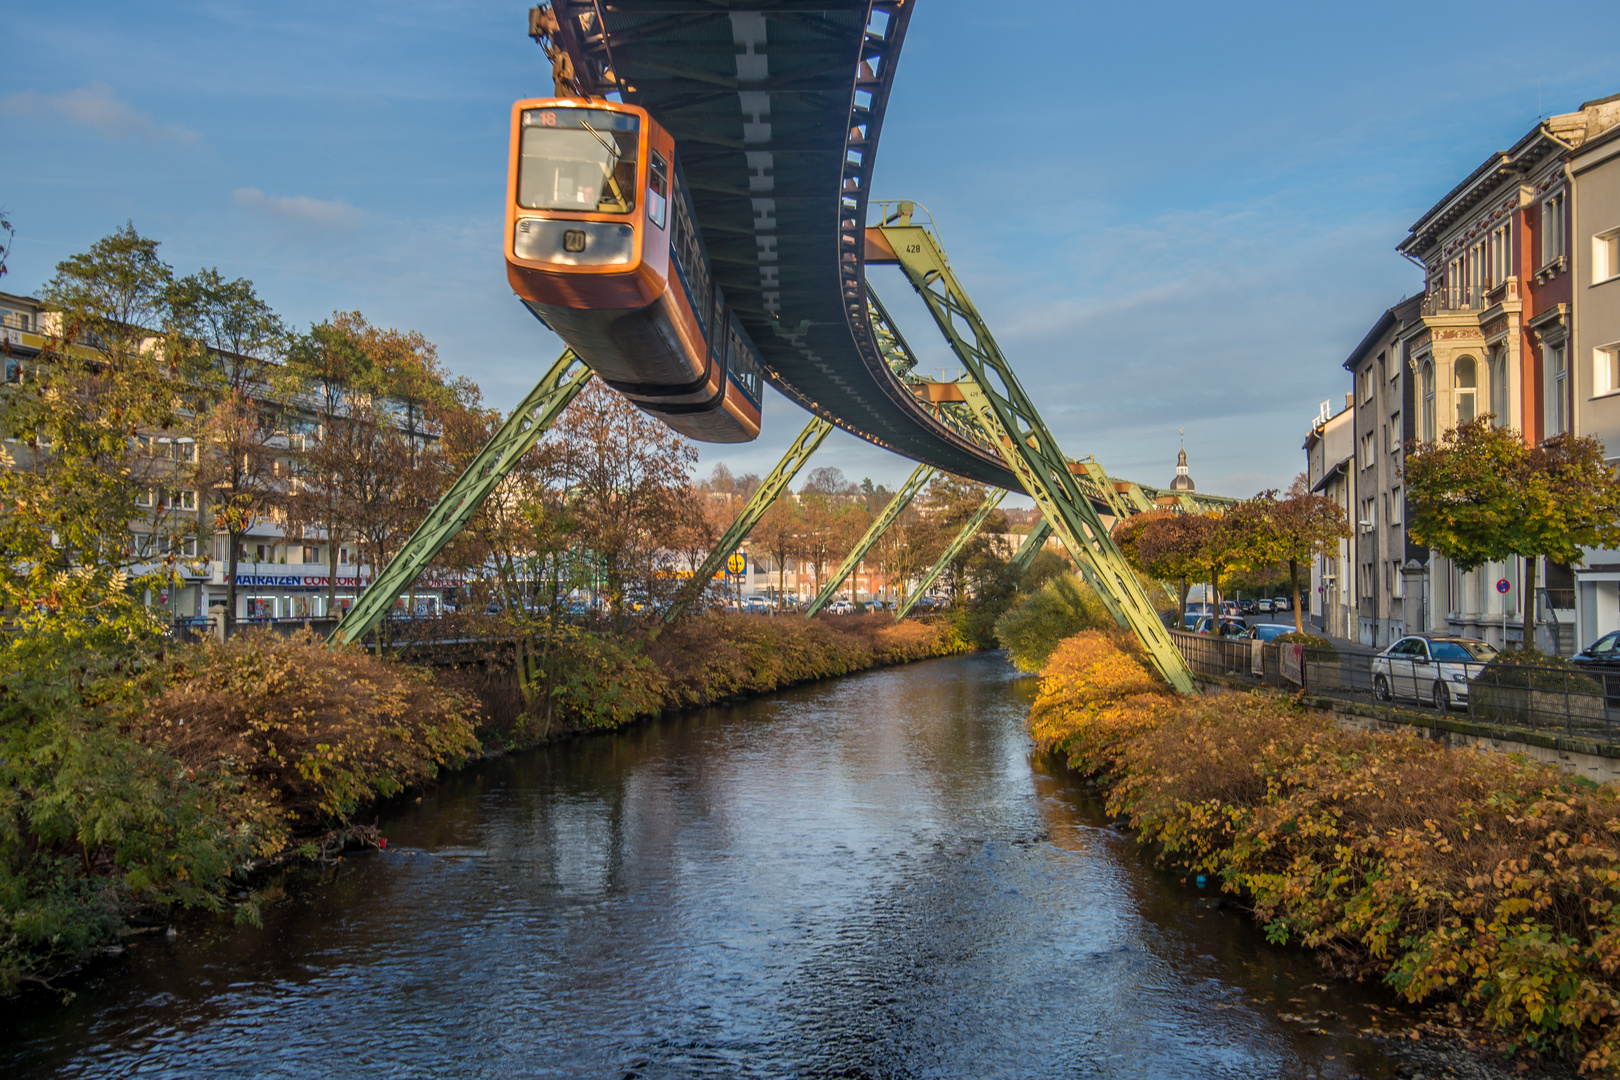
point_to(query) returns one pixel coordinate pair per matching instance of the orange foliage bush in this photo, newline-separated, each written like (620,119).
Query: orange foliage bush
(309,732)
(1485,880)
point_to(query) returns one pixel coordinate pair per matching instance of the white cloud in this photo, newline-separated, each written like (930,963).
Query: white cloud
(332,213)
(94,105)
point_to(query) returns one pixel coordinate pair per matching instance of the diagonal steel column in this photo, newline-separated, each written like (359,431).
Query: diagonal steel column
(951,551)
(534,414)
(1032,544)
(1010,418)
(813,435)
(902,499)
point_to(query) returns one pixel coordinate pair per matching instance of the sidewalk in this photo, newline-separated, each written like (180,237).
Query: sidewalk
(1345,646)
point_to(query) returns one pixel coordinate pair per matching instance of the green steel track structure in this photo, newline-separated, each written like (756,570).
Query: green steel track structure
(530,420)
(1032,544)
(954,548)
(1006,414)
(891,513)
(813,435)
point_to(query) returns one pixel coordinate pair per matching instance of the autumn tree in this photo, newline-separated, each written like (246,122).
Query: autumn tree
(1167,546)
(627,475)
(1481,494)
(781,533)
(236,341)
(83,423)
(1288,531)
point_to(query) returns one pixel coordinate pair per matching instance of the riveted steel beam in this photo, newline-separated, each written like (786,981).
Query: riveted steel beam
(891,513)
(952,550)
(1032,544)
(533,415)
(813,435)
(1009,417)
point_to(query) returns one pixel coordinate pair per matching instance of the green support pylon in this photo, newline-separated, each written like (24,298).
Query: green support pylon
(891,513)
(1032,544)
(534,414)
(1006,413)
(813,435)
(951,551)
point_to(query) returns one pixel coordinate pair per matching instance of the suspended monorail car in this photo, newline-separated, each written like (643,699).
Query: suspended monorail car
(602,245)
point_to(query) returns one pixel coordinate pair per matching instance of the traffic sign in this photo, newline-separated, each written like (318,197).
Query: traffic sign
(1504,585)
(737,564)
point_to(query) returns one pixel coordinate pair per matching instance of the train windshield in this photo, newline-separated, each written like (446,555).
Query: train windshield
(578,159)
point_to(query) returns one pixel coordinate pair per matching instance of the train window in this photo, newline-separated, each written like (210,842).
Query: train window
(689,261)
(743,367)
(657,188)
(578,159)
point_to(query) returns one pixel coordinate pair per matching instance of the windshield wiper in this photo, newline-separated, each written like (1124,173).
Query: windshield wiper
(607,170)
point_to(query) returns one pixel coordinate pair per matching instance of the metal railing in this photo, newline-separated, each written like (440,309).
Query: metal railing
(1509,695)
(1455,298)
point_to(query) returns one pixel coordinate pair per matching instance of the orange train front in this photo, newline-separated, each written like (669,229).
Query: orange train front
(603,247)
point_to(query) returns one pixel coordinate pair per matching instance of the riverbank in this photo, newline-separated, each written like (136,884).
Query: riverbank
(1478,883)
(124,808)
(863,876)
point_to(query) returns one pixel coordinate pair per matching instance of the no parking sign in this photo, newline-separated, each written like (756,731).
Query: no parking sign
(1504,585)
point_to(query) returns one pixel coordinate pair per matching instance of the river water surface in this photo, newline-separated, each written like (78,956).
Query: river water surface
(868,877)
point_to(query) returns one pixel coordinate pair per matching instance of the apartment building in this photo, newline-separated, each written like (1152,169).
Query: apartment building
(1497,317)
(281,573)
(1330,466)
(1594,177)
(1381,403)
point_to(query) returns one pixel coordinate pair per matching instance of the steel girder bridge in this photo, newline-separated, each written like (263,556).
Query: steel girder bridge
(777,106)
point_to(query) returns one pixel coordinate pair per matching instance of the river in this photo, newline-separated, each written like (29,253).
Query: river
(867,877)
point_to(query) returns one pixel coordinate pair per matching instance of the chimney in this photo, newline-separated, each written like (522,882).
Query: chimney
(1349,399)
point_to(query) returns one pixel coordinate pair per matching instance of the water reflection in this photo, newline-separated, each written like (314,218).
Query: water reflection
(860,878)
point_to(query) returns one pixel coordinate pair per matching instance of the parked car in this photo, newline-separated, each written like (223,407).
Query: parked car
(1602,659)
(1263,607)
(1246,607)
(1280,604)
(1229,627)
(1229,610)
(1269,631)
(840,607)
(1432,669)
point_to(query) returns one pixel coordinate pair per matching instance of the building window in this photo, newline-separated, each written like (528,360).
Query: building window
(145,498)
(184,547)
(184,500)
(1365,378)
(1428,401)
(1394,430)
(1606,256)
(1557,391)
(1552,228)
(1499,384)
(1396,510)
(1465,380)
(1606,369)
(1369,450)
(1501,259)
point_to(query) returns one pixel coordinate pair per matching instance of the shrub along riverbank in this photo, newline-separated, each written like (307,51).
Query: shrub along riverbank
(138,777)
(1481,882)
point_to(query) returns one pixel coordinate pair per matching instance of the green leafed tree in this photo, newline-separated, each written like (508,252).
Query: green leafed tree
(1481,494)
(1288,531)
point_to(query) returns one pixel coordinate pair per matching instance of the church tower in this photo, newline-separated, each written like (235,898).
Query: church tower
(1182,482)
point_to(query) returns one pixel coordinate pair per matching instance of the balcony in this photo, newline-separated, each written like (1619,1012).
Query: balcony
(1470,298)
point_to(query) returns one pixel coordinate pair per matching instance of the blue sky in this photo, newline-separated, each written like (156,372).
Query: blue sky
(1173,216)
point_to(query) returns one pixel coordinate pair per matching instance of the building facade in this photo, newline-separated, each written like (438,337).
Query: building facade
(1594,173)
(1330,469)
(1497,316)
(1381,401)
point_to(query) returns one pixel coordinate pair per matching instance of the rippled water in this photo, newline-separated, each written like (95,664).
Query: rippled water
(869,877)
